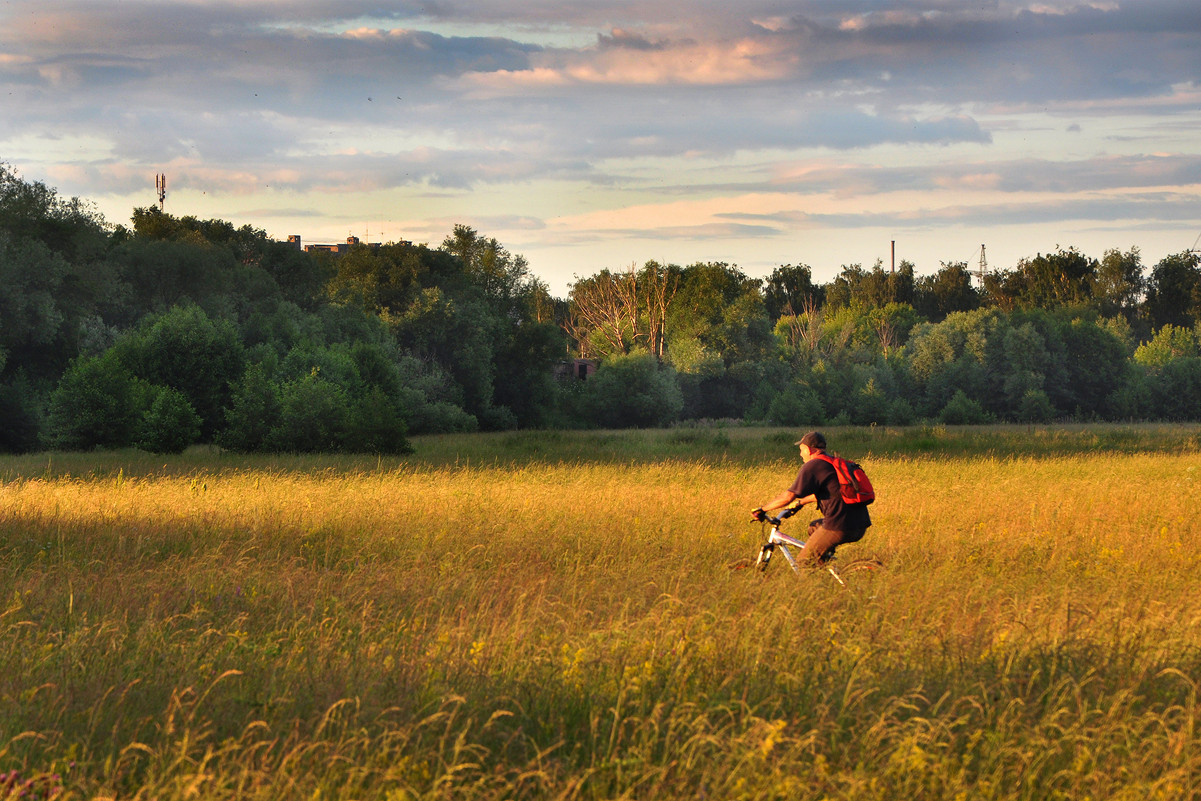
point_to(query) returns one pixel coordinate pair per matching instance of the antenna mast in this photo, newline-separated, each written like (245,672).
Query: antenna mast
(160,183)
(983,266)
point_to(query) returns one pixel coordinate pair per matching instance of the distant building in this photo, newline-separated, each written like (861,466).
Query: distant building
(338,249)
(577,369)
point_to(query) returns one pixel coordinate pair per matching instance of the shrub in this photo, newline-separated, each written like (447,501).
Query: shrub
(21,413)
(253,412)
(97,403)
(313,417)
(962,410)
(1175,389)
(796,407)
(870,405)
(185,350)
(170,424)
(1035,407)
(901,413)
(376,426)
(633,391)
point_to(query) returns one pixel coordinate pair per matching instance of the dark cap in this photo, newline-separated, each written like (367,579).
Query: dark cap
(815,440)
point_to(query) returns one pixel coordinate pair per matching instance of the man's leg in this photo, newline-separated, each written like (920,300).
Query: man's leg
(820,540)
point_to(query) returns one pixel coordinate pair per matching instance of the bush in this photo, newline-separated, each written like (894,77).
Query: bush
(253,412)
(797,407)
(901,413)
(497,418)
(97,404)
(170,424)
(184,350)
(633,391)
(1175,389)
(313,417)
(21,413)
(962,410)
(870,405)
(1035,407)
(376,426)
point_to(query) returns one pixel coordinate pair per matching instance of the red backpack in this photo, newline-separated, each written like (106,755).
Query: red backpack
(856,486)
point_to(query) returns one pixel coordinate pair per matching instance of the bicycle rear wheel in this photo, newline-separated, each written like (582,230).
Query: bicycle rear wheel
(861,566)
(862,577)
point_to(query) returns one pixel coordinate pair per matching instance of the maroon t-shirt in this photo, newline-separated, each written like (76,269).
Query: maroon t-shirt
(818,477)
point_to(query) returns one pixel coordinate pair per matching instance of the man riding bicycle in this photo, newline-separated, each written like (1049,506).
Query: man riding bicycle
(817,482)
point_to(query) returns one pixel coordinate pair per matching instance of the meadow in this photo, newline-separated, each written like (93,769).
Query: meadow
(549,615)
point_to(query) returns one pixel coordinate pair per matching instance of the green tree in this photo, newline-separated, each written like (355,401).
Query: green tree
(1120,284)
(713,299)
(97,404)
(856,287)
(376,425)
(743,333)
(1169,343)
(1174,291)
(1094,365)
(22,412)
(31,319)
(387,280)
(962,410)
(170,424)
(524,382)
(1034,407)
(1062,278)
(797,406)
(1026,361)
(314,415)
(633,391)
(52,275)
(33,212)
(499,273)
(301,278)
(253,413)
(887,327)
(790,290)
(947,291)
(1175,389)
(161,274)
(956,355)
(185,350)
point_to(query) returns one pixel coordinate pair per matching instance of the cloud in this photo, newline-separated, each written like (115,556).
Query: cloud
(616,105)
(1158,207)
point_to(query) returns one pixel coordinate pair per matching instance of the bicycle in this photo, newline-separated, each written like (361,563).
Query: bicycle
(778,539)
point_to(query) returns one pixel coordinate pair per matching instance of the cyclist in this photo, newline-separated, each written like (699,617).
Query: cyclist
(817,482)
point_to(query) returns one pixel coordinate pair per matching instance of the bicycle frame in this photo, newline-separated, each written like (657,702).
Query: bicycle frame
(781,540)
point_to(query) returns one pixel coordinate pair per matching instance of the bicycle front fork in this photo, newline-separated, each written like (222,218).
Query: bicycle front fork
(765,555)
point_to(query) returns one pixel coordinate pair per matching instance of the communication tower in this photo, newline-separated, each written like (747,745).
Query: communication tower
(983,268)
(160,183)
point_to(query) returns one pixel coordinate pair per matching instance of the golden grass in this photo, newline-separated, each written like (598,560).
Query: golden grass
(239,628)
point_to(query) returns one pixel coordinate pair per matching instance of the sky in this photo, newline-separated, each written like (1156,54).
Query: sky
(594,134)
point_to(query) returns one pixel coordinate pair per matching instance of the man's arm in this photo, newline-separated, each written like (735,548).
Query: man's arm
(785,498)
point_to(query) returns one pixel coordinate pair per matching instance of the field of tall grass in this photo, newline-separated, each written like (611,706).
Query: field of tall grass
(549,615)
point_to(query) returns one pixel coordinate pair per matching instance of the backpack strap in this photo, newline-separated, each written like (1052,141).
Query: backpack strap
(842,468)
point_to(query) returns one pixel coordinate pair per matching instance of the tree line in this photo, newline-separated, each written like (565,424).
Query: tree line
(174,330)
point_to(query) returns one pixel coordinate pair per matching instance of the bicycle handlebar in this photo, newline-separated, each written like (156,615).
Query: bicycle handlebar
(784,515)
